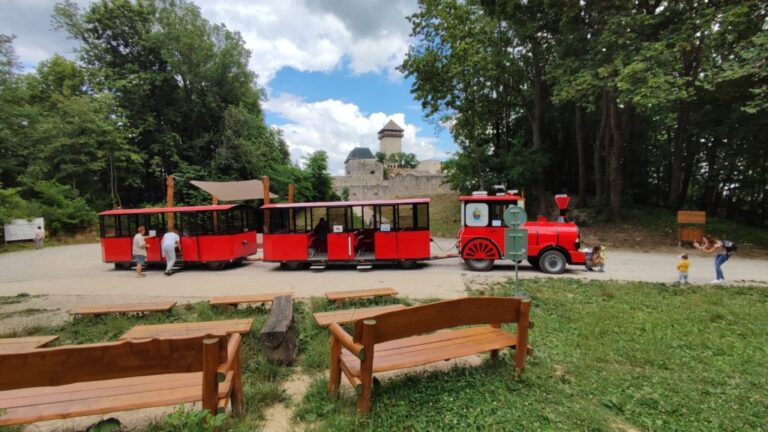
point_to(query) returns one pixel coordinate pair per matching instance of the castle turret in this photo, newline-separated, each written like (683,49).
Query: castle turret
(391,138)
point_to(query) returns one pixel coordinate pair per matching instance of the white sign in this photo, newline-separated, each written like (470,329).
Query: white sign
(496,223)
(476,215)
(338,228)
(22,229)
(385,228)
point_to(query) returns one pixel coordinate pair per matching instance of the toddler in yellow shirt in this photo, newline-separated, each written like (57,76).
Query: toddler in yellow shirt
(682,269)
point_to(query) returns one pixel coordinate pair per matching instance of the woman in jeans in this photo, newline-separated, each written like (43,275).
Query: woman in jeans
(715,246)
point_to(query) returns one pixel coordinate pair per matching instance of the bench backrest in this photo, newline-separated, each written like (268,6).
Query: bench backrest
(100,361)
(692,217)
(445,314)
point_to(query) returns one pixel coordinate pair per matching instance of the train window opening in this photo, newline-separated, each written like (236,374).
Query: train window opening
(356,219)
(337,218)
(384,218)
(496,213)
(405,219)
(236,225)
(109,226)
(421,220)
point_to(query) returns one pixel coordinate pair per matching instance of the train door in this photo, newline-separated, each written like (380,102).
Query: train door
(340,240)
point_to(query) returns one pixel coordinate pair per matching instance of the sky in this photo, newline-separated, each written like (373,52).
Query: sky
(328,66)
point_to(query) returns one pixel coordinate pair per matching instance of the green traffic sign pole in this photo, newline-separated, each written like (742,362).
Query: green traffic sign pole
(515,238)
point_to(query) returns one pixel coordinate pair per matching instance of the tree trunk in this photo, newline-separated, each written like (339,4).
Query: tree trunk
(582,161)
(617,148)
(598,146)
(689,159)
(278,343)
(710,182)
(538,144)
(673,200)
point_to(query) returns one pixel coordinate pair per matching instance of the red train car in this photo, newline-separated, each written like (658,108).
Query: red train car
(212,235)
(362,232)
(551,244)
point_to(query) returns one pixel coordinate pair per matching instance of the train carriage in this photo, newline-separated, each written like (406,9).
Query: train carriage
(362,232)
(213,235)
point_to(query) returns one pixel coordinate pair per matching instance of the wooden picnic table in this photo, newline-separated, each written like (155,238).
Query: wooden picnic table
(12,345)
(122,308)
(248,298)
(357,294)
(324,319)
(223,327)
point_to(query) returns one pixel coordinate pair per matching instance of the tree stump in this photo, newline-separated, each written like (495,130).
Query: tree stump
(279,344)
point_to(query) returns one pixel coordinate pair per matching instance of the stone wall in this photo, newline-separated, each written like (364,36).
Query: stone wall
(398,185)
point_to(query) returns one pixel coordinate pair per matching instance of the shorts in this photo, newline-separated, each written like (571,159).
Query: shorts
(140,259)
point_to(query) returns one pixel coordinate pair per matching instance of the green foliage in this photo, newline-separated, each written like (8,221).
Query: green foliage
(320,182)
(608,356)
(61,206)
(401,160)
(183,420)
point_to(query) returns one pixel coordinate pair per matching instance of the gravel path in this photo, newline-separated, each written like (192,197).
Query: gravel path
(74,275)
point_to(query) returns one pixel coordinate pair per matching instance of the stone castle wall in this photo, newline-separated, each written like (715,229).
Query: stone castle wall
(397,185)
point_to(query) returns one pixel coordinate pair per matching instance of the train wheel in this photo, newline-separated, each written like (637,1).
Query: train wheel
(122,266)
(292,265)
(408,264)
(216,266)
(479,254)
(552,262)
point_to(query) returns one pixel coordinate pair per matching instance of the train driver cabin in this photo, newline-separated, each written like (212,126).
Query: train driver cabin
(395,231)
(213,235)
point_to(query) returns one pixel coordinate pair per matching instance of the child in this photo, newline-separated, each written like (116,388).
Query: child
(596,258)
(682,269)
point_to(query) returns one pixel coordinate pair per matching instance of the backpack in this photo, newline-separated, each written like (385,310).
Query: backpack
(730,246)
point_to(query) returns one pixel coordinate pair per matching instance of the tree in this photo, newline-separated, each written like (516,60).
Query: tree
(320,182)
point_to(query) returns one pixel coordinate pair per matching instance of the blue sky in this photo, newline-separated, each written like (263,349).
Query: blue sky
(328,66)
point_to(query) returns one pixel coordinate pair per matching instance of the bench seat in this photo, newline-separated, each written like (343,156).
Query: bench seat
(324,319)
(443,345)
(35,404)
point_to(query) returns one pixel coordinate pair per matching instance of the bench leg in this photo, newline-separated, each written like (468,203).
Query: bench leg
(495,353)
(238,398)
(364,398)
(334,380)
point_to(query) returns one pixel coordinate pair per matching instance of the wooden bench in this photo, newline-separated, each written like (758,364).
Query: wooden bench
(221,328)
(80,380)
(324,319)
(127,308)
(687,229)
(358,294)
(397,339)
(8,345)
(245,299)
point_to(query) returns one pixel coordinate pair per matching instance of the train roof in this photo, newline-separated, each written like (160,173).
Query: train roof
(156,210)
(508,197)
(347,203)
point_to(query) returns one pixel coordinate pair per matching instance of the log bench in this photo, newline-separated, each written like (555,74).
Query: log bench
(358,294)
(128,308)
(8,345)
(403,338)
(234,301)
(80,380)
(345,316)
(199,328)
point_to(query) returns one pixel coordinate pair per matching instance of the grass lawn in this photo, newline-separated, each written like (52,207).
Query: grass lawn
(608,356)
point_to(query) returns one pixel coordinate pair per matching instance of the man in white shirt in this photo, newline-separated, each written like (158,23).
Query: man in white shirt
(139,251)
(168,246)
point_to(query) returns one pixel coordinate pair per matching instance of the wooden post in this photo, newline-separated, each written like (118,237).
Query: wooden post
(238,399)
(291,189)
(366,367)
(523,322)
(169,200)
(265,183)
(495,353)
(278,343)
(215,201)
(211,357)
(334,380)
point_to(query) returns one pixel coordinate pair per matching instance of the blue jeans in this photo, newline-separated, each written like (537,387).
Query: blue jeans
(719,261)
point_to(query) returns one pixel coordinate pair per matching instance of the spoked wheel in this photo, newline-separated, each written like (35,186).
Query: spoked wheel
(479,254)
(552,262)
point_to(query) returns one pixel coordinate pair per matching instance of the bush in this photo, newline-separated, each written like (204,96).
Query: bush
(61,206)
(12,206)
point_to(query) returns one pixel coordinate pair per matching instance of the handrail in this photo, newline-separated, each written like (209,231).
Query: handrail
(346,340)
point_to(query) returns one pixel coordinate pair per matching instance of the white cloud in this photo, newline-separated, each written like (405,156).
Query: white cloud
(337,127)
(316,35)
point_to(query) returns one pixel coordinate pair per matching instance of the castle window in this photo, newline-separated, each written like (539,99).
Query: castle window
(373,172)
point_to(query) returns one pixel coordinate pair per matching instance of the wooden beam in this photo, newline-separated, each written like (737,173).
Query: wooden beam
(215,201)
(278,343)
(265,183)
(169,187)
(291,190)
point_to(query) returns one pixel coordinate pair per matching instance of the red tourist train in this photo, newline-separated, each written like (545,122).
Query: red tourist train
(551,244)
(362,232)
(213,235)
(358,232)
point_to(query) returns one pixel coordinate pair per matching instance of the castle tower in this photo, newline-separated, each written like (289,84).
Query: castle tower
(391,138)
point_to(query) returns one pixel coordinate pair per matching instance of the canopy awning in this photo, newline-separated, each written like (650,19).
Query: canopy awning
(234,190)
